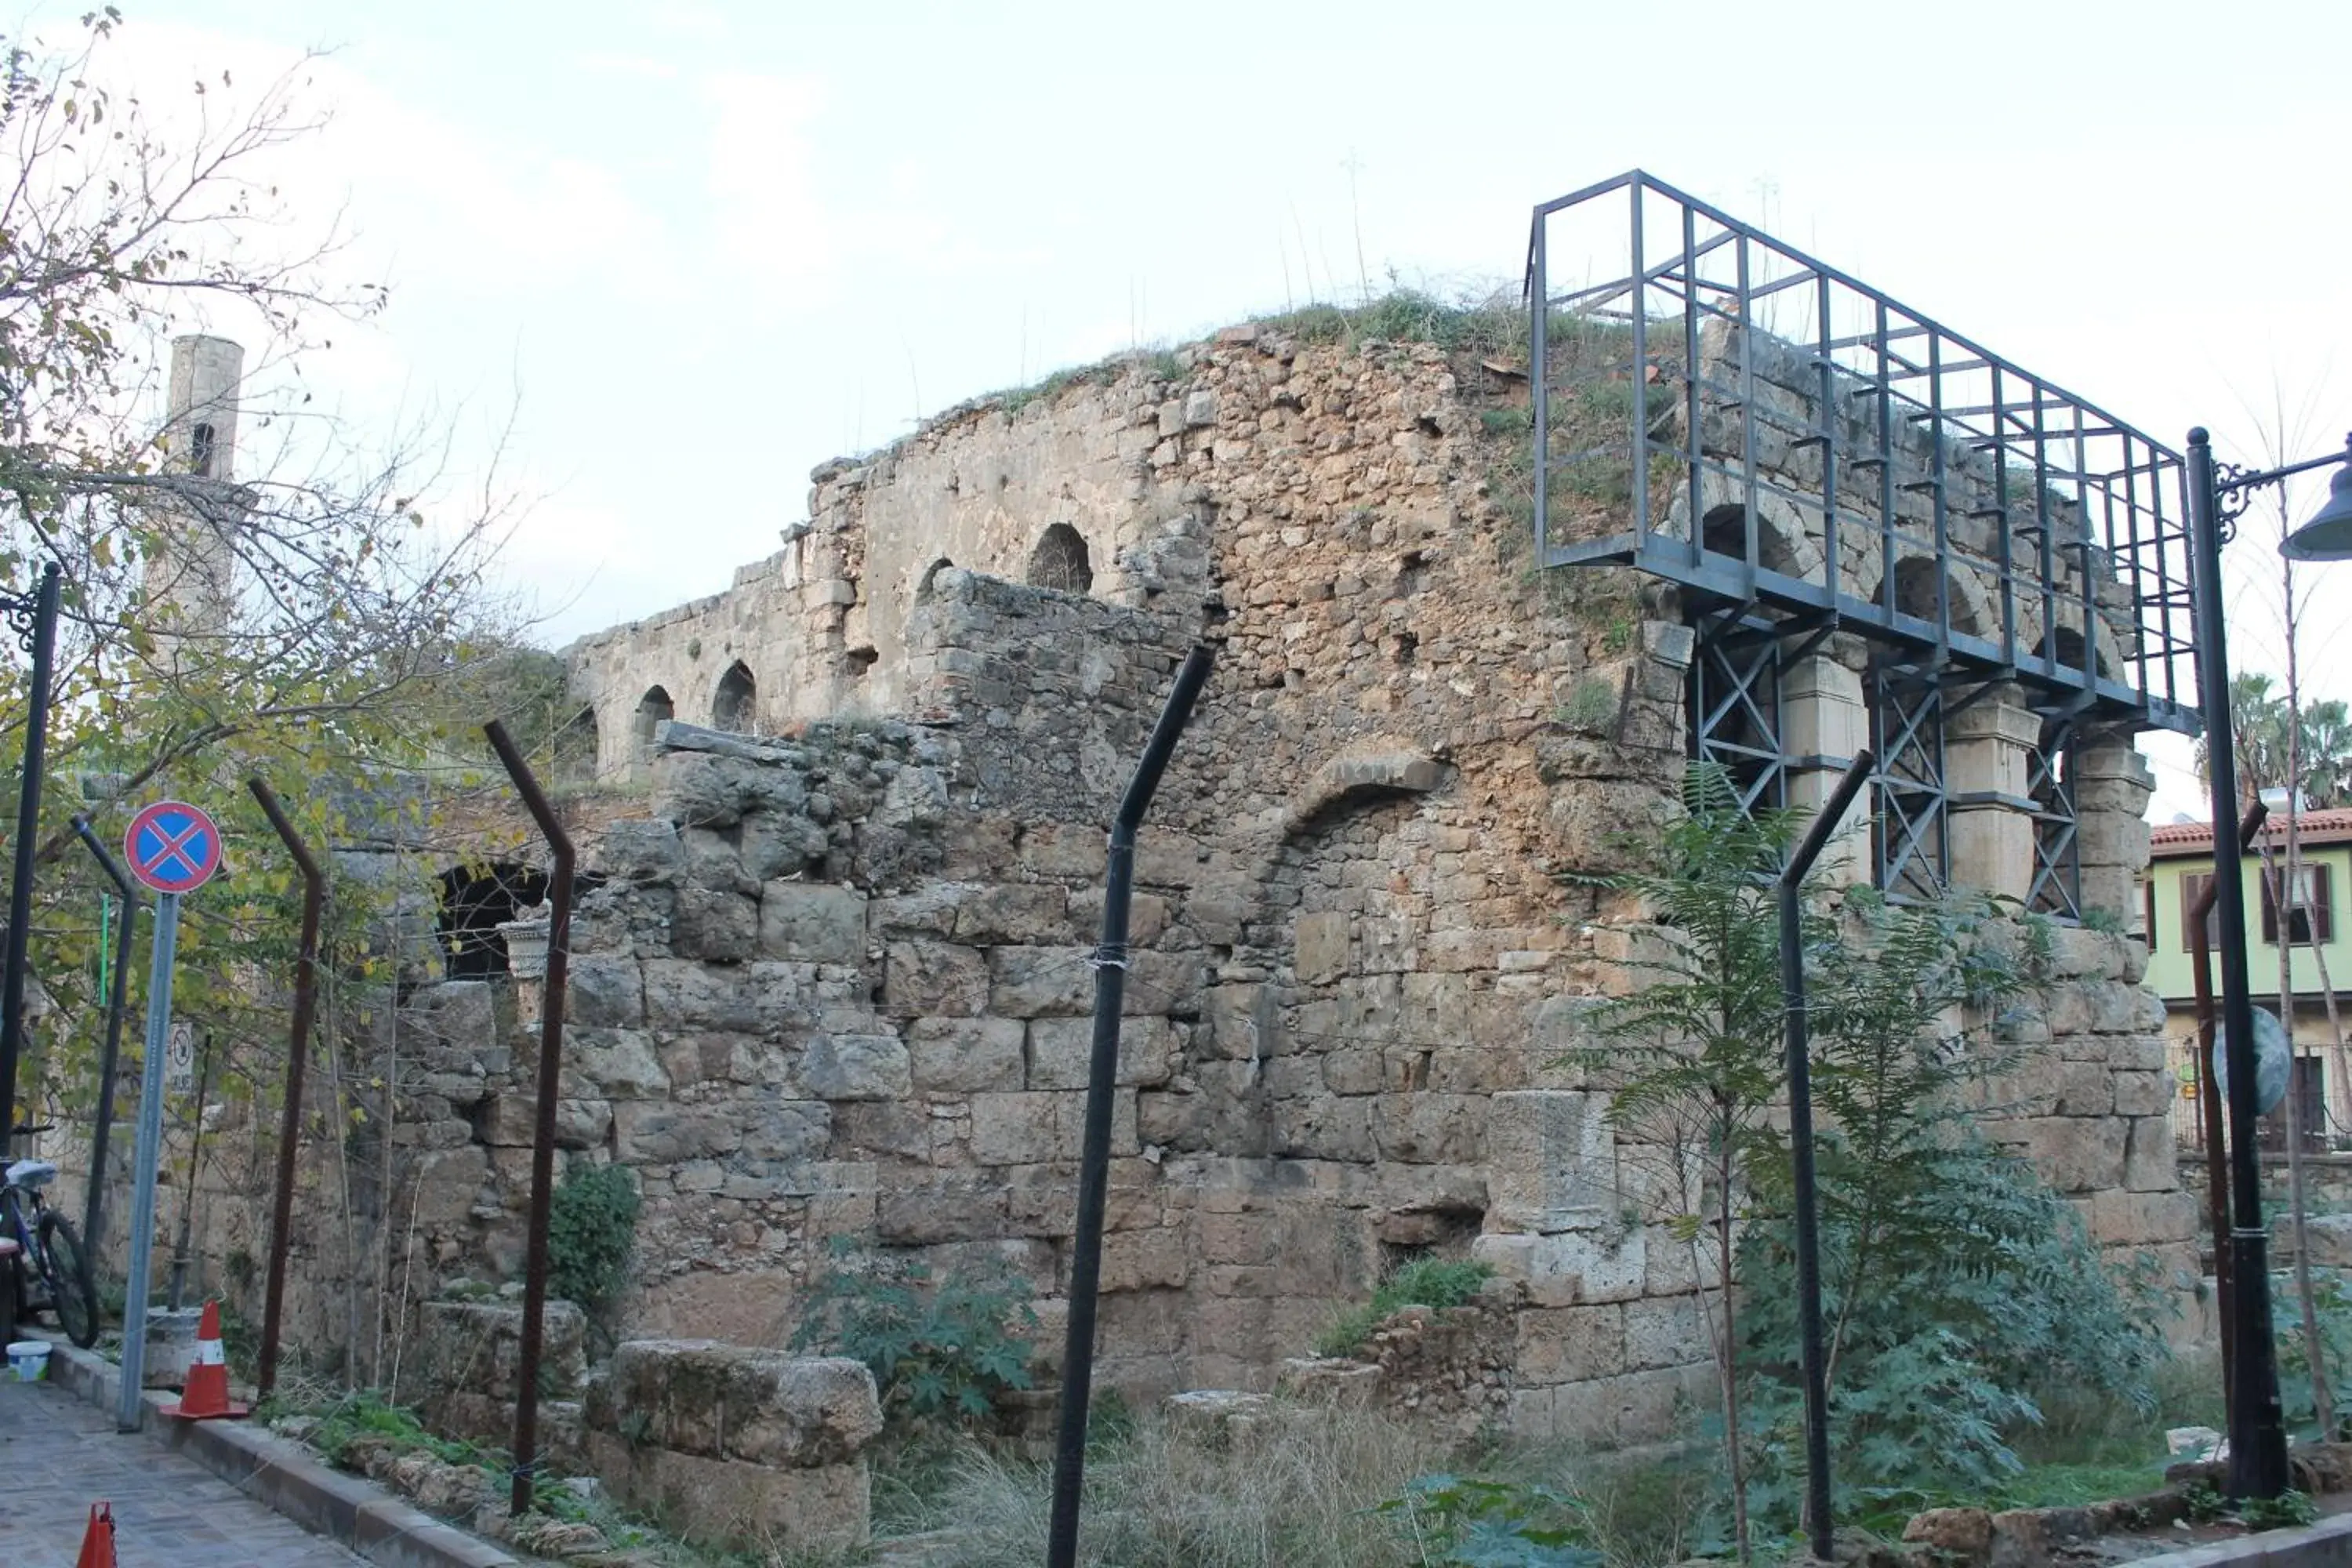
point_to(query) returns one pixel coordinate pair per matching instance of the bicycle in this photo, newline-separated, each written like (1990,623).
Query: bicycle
(52,1271)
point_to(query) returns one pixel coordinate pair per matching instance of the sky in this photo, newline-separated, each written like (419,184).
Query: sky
(658,261)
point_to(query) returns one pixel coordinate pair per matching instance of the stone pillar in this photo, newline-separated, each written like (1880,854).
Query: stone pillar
(1822,717)
(1987,750)
(2112,786)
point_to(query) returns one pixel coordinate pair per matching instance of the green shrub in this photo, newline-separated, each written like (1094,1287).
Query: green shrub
(944,1349)
(1425,1283)
(592,1228)
(1461,1522)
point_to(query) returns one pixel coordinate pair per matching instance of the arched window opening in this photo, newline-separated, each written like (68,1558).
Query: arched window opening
(1724,531)
(575,748)
(475,902)
(930,576)
(1060,561)
(653,709)
(732,707)
(201,443)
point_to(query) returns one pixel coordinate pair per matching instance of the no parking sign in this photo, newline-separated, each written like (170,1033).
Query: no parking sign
(171,846)
(174,848)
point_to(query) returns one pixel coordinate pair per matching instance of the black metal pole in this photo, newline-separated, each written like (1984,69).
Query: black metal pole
(2258,1466)
(2208,1114)
(94,1209)
(1812,1347)
(289,1125)
(542,1147)
(1094,1159)
(28,829)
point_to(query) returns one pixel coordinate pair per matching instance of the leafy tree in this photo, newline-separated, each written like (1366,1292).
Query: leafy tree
(1956,1285)
(1692,1054)
(316,620)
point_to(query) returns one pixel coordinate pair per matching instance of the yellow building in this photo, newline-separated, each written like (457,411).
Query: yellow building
(2318,951)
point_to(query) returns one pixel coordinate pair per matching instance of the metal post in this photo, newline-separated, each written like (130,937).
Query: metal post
(1102,1073)
(543,1148)
(297,1055)
(2208,1114)
(150,1151)
(1813,1348)
(119,996)
(28,830)
(2258,1466)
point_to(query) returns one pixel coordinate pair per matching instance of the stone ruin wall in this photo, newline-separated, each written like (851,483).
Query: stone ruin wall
(836,982)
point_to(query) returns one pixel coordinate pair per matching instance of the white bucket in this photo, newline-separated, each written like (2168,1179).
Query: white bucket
(28,1360)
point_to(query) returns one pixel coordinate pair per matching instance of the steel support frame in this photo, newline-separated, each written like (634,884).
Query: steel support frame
(2024,488)
(2056,889)
(1737,707)
(1908,704)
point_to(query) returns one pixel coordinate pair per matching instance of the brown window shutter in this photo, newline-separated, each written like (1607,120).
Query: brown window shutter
(2270,909)
(2192,888)
(2147,910)
(2323,905)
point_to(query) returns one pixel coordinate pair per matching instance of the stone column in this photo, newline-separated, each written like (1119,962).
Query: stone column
(1987,750)
(2112,786)
(1822,717)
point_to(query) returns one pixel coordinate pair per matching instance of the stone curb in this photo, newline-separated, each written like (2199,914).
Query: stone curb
(345,1508)
(2327,1544)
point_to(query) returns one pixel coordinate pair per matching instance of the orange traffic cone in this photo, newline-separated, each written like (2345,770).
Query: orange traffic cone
(206,1393)
(97,1540)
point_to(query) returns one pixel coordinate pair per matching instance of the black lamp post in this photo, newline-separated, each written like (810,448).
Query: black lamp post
(2218,493)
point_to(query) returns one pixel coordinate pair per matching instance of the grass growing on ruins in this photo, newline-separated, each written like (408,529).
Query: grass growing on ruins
(1423,1282)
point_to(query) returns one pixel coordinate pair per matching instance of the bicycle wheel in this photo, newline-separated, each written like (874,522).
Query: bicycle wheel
(73,1292)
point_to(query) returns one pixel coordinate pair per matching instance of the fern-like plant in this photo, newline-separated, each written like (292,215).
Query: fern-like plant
(939,1348)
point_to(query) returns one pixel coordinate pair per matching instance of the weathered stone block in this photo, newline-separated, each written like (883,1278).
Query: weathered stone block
(1040,981)
(1570,1344)
(1018,913)
(855,1067)
(813,922)
(1030,1129)
(1319,947)
(1551,1158)
(737,1445)
(1144,1261)
(606,991)
(621,1063)
(1571,1268)
(942,1207)
(1061,1049)
(963,1055)
(467,1356)
(1430,1128)
(934,978)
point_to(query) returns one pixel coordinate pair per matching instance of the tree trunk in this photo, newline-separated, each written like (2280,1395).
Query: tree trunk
(1727,1355)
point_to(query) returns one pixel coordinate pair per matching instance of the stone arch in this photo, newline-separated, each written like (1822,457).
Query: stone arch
(735,704)
(1364,772)
(654,709)
(1786,541)
(1724,531)
(1971,608)
(926,585)
(2064,642)
(1060,560)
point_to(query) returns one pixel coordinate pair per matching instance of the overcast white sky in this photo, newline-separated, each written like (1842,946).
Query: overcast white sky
(702,246)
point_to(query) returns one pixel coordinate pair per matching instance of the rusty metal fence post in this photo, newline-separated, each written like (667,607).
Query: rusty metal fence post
(542,1146)
(290,1127)
(93,1212)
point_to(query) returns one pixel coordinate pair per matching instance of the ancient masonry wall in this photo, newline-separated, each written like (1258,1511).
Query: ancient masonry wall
(836,983)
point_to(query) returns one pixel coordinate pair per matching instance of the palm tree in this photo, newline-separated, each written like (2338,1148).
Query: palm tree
(2327,753)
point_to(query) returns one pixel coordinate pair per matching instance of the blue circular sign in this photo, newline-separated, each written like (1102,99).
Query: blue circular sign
(173,847)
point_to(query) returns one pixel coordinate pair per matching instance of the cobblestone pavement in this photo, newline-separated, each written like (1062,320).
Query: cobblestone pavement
(59,1455)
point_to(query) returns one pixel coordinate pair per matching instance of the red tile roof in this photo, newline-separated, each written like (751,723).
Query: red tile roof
(2173,840)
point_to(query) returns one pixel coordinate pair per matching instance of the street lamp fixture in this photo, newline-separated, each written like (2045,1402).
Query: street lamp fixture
(2218,493)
